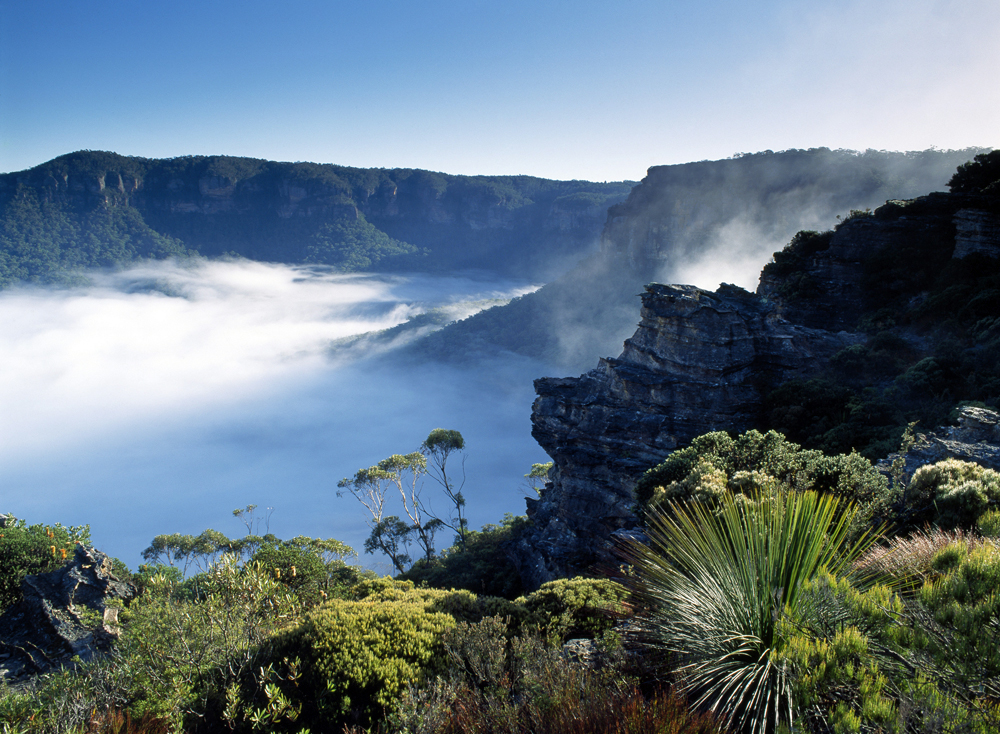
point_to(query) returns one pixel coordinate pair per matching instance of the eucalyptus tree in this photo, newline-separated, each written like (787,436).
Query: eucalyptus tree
(439,446)
(370,486)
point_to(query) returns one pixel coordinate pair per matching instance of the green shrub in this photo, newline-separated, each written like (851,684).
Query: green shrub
(179,651)
(26,550)
(966,602)
(314,569)
(482,566)
(358,656)
(952,493)
(577,607)
(716,464)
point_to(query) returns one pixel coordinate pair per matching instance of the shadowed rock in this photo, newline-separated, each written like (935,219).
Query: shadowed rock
(64,614)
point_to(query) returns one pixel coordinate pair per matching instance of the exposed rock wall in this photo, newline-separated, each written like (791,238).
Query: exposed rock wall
(702,361)
(696,363)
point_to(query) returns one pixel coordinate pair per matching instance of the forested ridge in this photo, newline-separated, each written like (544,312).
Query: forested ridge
(99,209)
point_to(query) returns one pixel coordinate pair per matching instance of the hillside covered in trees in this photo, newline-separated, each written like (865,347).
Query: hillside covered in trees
(97,209)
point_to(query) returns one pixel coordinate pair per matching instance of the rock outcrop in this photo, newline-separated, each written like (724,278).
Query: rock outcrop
(976,438)
(697,363)
(703,361)
(63,614)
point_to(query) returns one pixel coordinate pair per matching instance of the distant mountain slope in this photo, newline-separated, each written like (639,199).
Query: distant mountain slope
(704,216)
(94,208)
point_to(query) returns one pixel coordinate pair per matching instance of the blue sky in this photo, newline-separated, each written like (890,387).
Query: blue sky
(594,90)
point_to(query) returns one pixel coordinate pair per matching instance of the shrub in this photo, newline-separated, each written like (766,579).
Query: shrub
(495,683)
(909,559)
(314,569)
(888,662)
(754,461)
(482,566)
(179,652)
(965,601)
(977,174)
(578,607)
(952,492)
(357,657)
(26,550)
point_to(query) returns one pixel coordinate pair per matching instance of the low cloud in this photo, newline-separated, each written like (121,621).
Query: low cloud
(158,399)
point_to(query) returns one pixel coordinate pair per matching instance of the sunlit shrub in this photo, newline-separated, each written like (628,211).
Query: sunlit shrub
(952,492)
(577,607)
(31,549)
(716,464)
(358,656)
(178,654)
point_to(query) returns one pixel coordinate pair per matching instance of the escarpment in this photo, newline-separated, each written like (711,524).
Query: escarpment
(702,361)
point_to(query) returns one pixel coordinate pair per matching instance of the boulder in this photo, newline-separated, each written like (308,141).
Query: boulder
(63,615)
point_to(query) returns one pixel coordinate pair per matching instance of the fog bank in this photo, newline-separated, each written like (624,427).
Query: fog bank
(158,399)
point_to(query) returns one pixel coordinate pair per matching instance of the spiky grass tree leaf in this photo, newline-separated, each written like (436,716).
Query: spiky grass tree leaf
(716,584)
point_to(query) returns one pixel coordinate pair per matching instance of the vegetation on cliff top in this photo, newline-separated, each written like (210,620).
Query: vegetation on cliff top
(95,209)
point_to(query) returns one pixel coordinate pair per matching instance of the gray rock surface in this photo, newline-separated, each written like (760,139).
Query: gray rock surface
(64,614)
(696,363)
(976,438)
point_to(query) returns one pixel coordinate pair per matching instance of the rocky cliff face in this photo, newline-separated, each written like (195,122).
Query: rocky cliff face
(696,363)
(702,361)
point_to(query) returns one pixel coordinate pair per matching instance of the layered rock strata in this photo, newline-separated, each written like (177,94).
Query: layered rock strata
(702,361)
(697,362)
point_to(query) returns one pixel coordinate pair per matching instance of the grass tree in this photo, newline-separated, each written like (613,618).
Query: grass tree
(716,584)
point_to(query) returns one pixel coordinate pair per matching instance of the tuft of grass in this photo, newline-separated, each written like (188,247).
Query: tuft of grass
(717,583)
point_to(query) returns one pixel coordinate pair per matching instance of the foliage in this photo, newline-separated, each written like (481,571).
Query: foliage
(498,683)
(952,493)
(358,656)
(406,473)
(874,660)
(353,245)
(98,209)
(716,464)
(482,565)
(908,559)
(313,569)
(538,476)
(32,549)
(179,653)
(438,447)
(390,534)
(977,174)
(577,607)
(716,583)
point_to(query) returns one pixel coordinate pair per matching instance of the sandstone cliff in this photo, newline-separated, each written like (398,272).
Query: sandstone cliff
(702,361)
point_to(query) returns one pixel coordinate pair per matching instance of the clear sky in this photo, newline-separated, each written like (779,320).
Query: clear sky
(575,89)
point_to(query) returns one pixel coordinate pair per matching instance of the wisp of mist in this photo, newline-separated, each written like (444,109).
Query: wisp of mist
(158,399)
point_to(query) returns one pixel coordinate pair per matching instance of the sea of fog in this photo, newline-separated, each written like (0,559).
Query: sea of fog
(158,399)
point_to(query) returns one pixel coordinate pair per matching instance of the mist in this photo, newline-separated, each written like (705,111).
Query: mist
(158,399)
